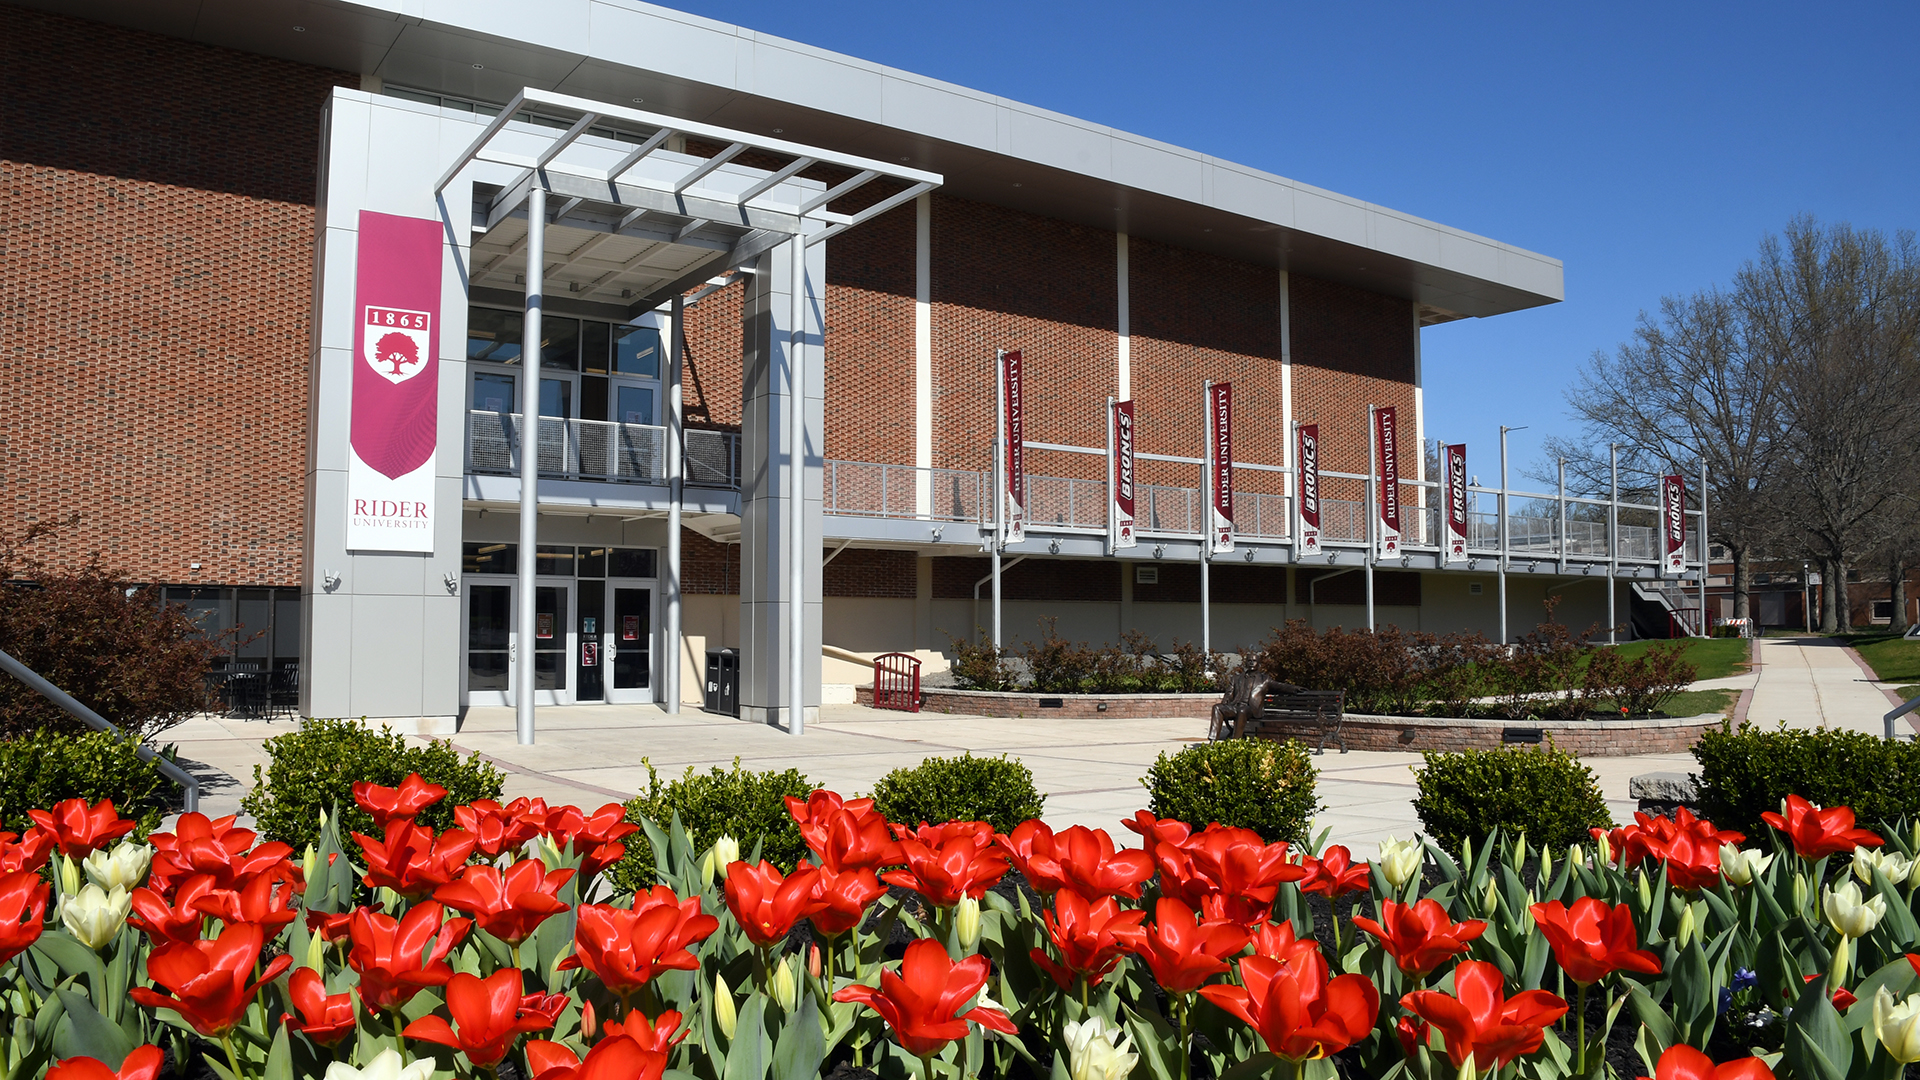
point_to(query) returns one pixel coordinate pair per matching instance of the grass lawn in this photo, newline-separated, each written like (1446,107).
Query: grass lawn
(1701,702)
(1712,658)
(1889,655)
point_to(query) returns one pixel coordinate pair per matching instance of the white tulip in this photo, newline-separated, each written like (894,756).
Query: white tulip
(1897,1025)
(966,923)
(1896,866)
(1741,867)
(1400,860)
(94,915)
(386,1066)
(726,852)
(1849,914)
(1096,1050)
(125,867)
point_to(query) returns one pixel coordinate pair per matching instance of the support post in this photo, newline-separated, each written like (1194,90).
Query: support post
(1613,542)
(1502,504)
(529,462)
(1206,516)
(676,484)
(998,540)
(797,494)
(1563,515)
(1705,562)
(1373,511)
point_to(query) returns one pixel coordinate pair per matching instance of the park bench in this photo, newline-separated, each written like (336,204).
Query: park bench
(1283,708)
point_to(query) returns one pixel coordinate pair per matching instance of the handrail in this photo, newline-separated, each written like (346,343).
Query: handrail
(99,723)
(1898,713)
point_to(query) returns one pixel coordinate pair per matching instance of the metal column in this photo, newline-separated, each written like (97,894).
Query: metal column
(676,493)
(1705,563)
(1502,503)
(999,481)
(796,494)
(1373,512)
(1613,543)
(529,461)
(1207,466)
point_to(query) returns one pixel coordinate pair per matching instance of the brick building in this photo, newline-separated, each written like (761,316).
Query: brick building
(194,200)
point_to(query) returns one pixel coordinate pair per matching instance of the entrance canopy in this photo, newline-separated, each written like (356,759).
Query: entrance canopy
(635,220)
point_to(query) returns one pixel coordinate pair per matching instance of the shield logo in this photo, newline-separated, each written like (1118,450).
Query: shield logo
(397,343)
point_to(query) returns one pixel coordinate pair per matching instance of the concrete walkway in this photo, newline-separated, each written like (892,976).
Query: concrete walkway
(1810,682)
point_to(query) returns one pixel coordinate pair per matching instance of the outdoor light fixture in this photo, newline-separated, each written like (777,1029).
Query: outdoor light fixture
(453,583)
(1405,560)
(1159,551)
(329,580)
(1332,557)
(1473,564)
(1249,554)
(938,531)
(1054,546)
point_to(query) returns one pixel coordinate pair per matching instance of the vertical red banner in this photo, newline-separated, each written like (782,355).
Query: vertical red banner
(1220,467)
(396,384)
(1386,434)
(1673,506)
(1016,455)
(1455,480)
(1309,494)
(1121,482)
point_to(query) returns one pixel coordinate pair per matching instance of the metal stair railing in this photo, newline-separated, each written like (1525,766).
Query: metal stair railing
(97,722)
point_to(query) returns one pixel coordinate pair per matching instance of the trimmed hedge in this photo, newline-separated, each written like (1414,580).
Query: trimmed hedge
(1256,784)
(746,805)
(997,790)
(1543,792)
(47,767)
(1747,772)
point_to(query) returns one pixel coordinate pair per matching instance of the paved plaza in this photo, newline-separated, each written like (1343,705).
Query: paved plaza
(1089,768)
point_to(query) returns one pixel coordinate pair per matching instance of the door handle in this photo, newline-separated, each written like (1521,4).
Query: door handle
(512,652)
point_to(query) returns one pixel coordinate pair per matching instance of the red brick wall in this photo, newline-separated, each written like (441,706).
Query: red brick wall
(869,572)
(869,361)
(1034,579)
(711,391)
(1226,584)
(156,231)
(1351,349)
(708,566)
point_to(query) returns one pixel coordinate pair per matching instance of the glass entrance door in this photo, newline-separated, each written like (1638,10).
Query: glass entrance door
(489,635)
(492,642)
(631,647)
(551,635)
(589,657)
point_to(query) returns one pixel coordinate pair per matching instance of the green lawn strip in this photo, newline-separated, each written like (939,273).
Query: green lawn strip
(1889,655)
(1701,702)
(1908,693)
(1712,658)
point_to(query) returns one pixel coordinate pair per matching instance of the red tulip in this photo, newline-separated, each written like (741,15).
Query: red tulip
(216,847)
(1231,863)
(142,1064)
(1091,937)
(79,830)
(596,839)
(396,958)
(500,829)
(208,979)
(767,905)
(1683,1062)
(265,902)
(1296,1008)
(334,927)
(1077,858)
(1689,846)
(660,1035)
(183,919)
(1482,1021)
(1841,997)
(411,860)
(844,834)
(1818,833)
(610,1059)
(922,1002)
(488,1015)
(626,948)
(23,911)
(841,898)
(947,862)
(29,852)
(509,905)
(1277,941)
(1185,952)
(1413,1034)
(1155,831)
(1335,874)
(1420,936)
(1592,942)
(387,805)
(325,1018)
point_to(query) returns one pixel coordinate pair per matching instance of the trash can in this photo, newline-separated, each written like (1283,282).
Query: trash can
(723,682)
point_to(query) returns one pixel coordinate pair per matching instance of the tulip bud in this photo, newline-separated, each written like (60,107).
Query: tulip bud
(308,861)
(69,876)
(1646,892)
(1688,928)
(784,987)
(1546,864)
(1842,959)
(323,819)
(1491,901)
(317,952)
(966,923)
(1799,891)
(813,961)
(1606,847)
(587,1017)
(122,868)
(706,868)
(726,852)
(93,915)
(723,1011)
(1897,1025)
(1399,861)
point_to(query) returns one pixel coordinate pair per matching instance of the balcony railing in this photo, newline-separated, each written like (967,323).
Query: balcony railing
(600,450)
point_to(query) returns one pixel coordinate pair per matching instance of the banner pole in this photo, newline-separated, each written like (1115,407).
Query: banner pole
(1613,542)
(676,498)
(1563,515)
(1705,563)
(1293,498)
(1373,510)
(1502,503)
(1113,514)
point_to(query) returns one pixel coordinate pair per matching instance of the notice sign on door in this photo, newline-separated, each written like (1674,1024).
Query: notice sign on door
(629,628)
(394,411)
(589,654)
(543,626)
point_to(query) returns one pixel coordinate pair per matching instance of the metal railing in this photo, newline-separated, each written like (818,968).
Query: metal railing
(600,450)
(190,785)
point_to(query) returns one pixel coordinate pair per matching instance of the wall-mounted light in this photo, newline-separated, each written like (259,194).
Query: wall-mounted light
(1159,551)
(329,580)
(1249,554)
(1332,557)
(1054,545)
(1406,560)
(939,531)
(452,583)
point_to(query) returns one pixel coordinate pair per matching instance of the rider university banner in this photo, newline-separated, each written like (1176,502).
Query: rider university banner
(1454,493)
(1015,455)
(1120,483)
(1387,434)
(1309,496)
(1220,467)
(396,384)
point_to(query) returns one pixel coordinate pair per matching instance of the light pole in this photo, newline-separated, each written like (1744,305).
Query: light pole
(1504,537)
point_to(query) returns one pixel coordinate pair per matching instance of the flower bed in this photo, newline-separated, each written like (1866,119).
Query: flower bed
(499,948)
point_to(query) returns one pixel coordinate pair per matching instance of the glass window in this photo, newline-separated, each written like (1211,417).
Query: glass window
(630,562)
(593,562)
(254,624)
(554,561)
(635,405)
(596,340)
(637,351)
(493,335)
(286,627)
(494,392)
(560,343)
(488,558)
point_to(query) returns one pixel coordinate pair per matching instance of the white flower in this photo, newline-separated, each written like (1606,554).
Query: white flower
(726,852)
(1891,863)
(983,1001)
(1849,915)
(966,923)
(1399,860)
(386,1066)
(1740,866)
(125,867)
(1097,1051)
(785,989)
(1897,1026)
(724,1013)
(94,915)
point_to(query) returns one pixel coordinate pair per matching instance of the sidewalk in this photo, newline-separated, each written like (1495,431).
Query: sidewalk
(1812,682)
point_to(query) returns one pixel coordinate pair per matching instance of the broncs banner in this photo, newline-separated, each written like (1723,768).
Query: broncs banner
(1220,466)
(1015,486)
(1454,491)
(1120,482)
(396,384)
(1673,524)
(1386,433)
(1309,457)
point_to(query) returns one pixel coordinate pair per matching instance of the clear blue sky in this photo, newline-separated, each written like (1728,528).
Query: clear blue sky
(1649,147)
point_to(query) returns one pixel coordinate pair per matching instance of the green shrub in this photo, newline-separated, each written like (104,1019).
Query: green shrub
(1256,784)
(314,768)
(1746,772)
(45,768)
(746,805)
(1544,792)
(965,788)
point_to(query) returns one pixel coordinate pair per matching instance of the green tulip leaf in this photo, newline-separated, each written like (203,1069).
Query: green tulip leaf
(84,1031)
